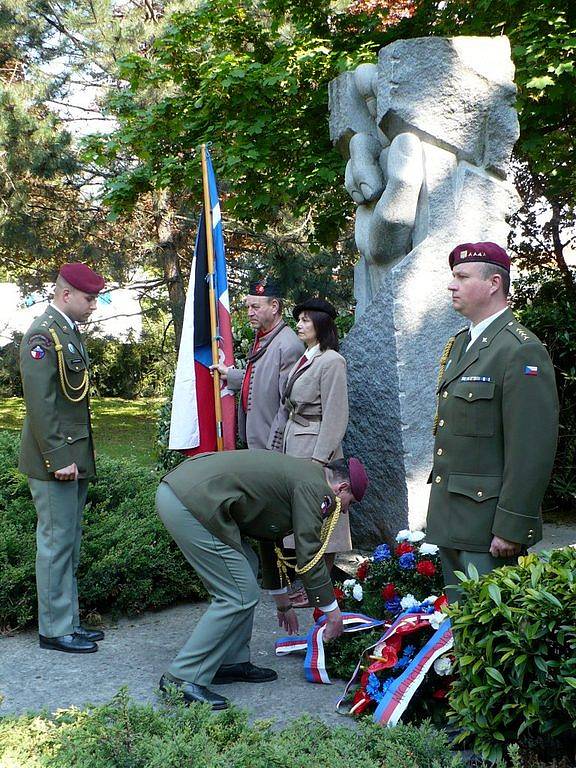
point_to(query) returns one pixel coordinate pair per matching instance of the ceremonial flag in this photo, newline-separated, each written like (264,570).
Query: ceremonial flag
(198,423)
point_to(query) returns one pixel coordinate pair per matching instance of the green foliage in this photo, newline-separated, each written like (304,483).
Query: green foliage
(122,733)
(515,634)
(129,563)
(344,652)
(546,307)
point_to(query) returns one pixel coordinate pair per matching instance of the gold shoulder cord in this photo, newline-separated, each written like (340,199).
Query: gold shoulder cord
(443,361)
(326,532)
(64,382)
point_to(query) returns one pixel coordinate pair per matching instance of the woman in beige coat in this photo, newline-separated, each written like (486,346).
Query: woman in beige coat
(316,400)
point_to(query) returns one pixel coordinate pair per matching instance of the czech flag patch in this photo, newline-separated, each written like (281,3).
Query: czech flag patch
(531,370)
(37,352)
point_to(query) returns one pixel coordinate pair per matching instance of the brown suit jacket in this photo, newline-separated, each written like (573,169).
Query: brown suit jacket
(263,424)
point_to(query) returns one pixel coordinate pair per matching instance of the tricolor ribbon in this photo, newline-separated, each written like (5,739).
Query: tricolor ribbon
(395,700)
(313,644)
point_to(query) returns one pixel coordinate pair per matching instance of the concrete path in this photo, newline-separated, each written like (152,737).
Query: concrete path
(137,651)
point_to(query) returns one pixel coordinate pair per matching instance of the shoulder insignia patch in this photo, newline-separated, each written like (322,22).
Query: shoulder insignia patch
(39,338)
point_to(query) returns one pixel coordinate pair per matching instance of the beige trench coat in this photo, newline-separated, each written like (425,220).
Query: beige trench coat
(316,420)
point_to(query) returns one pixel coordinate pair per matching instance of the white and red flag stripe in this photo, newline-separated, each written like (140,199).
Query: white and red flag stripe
(193,420)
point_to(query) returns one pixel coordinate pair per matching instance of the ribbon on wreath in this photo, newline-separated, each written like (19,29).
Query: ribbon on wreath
(399,694)
(313,644)
(394,702)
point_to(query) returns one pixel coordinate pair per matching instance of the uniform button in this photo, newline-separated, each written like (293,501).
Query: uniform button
(470,394)
(439,452)
(437,479)
(479,493)
(444,395)
(69,439)
(441,423)
(530,532)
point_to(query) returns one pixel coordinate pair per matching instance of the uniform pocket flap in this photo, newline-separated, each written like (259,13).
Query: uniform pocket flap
(474,390)
(75,363)
(74,432)
(313,428)
(476,487)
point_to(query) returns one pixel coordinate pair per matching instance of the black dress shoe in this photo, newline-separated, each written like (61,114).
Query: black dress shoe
(193,694)
(246,672)
(68,644)
(89,634)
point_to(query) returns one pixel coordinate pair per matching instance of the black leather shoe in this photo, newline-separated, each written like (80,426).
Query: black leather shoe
(68,644)
(89,634)
(193,693)
(246,672)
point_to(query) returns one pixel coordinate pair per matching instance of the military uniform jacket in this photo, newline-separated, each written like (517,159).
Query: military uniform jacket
(264,495)
(262,426)
(495,441)
(316,402)
(56,431)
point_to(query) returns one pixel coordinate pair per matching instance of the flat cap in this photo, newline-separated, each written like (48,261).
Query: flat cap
(81,277)
(316,305)
(489,253)
(358,478)
(265,287)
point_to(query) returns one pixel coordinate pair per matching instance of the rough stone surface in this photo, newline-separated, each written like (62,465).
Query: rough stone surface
(442,112)
(457,92)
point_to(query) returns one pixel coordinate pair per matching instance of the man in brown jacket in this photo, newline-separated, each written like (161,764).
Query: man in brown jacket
(261,417)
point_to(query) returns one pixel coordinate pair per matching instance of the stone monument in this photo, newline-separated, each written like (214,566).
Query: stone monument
(428,133)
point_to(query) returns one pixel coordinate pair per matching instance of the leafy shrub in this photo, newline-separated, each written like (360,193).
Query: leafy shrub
(547,308)
(129,563)
(515,635)
(127,369)
(126,734)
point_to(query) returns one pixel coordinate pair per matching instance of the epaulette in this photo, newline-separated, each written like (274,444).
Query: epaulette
(519,332)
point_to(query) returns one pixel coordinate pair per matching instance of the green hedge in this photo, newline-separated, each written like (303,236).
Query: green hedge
(134,736)
(129,562)
(515,642)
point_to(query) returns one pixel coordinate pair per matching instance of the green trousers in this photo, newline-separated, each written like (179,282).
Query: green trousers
(223,634)
(459,560)
(59,507)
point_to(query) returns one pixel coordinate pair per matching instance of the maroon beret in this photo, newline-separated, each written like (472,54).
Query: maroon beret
(80,276)
(487,252)
(358,478)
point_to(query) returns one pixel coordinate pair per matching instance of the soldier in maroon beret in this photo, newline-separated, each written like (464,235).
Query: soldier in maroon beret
(496,424)
(57,452)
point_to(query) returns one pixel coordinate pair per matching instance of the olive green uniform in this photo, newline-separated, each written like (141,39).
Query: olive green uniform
(495,444)
(56,434)
(209,504)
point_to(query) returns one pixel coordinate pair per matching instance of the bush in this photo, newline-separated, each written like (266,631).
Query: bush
(515,635)
(128,564)
(126,734)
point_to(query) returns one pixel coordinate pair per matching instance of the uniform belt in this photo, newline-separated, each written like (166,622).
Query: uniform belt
(302,420)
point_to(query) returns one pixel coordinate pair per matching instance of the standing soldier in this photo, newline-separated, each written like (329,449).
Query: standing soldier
(496,425)
(261,416)
(57,452)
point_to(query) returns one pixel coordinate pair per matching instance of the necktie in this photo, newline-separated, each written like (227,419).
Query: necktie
(467,341)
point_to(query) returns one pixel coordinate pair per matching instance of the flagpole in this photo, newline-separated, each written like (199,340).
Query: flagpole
(212,301)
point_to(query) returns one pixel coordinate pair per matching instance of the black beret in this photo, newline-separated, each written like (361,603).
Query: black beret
(316,305)
(265,287)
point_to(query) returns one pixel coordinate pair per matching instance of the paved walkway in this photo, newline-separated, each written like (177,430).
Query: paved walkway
(137,651)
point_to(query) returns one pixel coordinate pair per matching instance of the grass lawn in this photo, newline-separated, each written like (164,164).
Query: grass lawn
(122,428)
